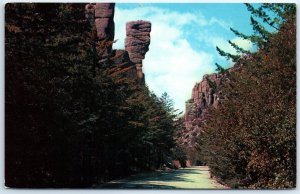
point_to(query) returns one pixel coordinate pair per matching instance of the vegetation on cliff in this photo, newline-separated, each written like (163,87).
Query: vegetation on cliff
(250,139)
(71,121)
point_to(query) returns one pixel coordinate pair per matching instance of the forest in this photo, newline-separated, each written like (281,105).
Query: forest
(72,121)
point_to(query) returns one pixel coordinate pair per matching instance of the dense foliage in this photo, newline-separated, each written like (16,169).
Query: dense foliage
(250,140)
(70,120)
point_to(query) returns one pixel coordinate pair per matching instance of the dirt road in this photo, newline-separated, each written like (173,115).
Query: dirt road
(197,177)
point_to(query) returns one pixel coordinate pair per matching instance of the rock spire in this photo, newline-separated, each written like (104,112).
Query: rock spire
(137,43)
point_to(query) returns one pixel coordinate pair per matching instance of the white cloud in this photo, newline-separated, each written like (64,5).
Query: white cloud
(224,44)
(171,64)
(245,44)
(221,23)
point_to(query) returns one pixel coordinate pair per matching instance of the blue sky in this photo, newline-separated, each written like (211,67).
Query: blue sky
(183,41)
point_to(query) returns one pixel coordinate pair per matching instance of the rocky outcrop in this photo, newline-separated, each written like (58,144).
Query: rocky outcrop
(137,43)
(123,64)
(205,95)
(102,15)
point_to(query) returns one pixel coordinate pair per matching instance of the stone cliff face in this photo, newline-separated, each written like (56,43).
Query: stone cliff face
(137,43)
(102,15)
(137,38)
(205,94)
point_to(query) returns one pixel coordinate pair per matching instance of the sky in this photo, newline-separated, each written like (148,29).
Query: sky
(183,44)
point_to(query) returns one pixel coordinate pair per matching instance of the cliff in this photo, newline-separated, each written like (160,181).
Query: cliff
(205,94)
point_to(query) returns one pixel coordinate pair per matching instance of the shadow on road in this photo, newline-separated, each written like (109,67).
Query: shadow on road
(136,186)
(191,178)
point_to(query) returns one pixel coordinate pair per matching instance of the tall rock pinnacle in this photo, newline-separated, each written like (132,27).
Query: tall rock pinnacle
(137,43)
(102,14)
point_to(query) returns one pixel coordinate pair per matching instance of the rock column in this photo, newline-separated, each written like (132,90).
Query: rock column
(102,15)
(137,43)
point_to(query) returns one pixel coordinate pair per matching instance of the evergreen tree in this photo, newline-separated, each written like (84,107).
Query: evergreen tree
(75,118)
(250,140)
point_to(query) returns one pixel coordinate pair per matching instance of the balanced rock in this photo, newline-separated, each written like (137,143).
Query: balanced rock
(128,61)
(137,43)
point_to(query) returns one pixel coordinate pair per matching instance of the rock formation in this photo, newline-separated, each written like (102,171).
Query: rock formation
(137,43)
(205,94)
(123,64)
(102,15)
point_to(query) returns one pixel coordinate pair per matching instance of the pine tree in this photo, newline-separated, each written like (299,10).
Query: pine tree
(250,140)
(263,18)
(74,117)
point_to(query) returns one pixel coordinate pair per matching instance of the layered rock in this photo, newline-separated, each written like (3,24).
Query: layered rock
(205,95)
(137,43)
(102,15)
(123,64)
